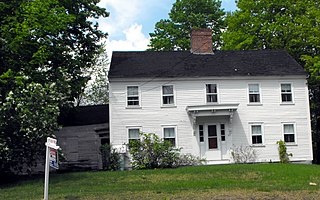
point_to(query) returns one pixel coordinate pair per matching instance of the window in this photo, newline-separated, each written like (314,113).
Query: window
(201,137)
(254,93)
(211,93)
(289,133)
(286,92)
(169,134)
(133,134)
(167,95)
(133,96)
(223,132)
(256,132)
(212,137)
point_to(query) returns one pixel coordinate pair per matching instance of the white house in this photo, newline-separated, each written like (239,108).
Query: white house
(210,102)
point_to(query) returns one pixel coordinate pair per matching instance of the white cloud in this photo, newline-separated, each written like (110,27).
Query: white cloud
(134,40)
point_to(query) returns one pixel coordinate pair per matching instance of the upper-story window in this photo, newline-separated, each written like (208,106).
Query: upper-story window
(286,92)
(133,96)
(167,95)
(254,93)
(211,93)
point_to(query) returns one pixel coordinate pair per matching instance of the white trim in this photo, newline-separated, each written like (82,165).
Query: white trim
(295,132)
(174,96)
(260,94)
(262,133)
(175,132)
(139,96)
(292,94)
(205,93)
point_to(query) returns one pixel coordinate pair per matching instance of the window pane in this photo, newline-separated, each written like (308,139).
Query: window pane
(256,129)
(286,97)
(256,139)
(134,133)
(212,98)
(213,143)
(289,138)
(171,140)
(212,130)
(254,97)
(168,100)
(167,89)
(201,137)
(132,90)
(253,88)
(288,128)
(285,87)
(169,132)
(211,88)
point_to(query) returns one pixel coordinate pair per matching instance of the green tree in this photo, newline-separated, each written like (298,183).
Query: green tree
(293,25)
(44,48)
(174,33)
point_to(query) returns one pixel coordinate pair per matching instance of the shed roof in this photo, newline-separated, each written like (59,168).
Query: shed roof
(185,64)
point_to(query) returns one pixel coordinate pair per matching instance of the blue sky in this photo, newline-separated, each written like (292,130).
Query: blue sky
(131,21)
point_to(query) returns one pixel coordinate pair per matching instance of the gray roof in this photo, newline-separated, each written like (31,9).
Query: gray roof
(185,64)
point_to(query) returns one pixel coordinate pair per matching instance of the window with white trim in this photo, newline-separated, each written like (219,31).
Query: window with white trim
(133,134)
(289,133)
(211,93)
(169,134)
(133,96)
(256,134)
(254,93)
(286,92)
(167,95)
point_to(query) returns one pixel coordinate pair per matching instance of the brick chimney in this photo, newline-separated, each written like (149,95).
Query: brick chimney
(201,41)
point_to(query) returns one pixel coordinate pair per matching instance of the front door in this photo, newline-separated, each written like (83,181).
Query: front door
(213,144)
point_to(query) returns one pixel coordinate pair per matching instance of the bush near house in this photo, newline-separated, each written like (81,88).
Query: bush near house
(152,152)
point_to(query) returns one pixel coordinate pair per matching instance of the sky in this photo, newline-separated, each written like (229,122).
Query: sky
(131,21)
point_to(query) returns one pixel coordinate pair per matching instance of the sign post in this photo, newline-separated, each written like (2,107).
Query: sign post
(51,161)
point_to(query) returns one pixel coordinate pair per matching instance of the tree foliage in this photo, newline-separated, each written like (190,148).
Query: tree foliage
(293,25)
(44,48)
(174,33)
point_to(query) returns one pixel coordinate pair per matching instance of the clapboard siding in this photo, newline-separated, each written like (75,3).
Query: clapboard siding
(151,116)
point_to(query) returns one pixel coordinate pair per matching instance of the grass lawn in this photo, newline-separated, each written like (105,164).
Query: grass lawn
(245,181)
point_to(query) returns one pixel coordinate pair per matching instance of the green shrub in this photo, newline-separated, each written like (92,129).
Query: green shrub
(110,157)
(283,155)
(151,152)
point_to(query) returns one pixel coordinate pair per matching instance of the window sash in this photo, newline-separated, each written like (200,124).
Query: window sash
(167,95)
(289,133)
(169,134)
(133,134)
(286,92)
(211,93)
(133,96)
(256,134)
(254,93)
(201,133)
(223,132)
